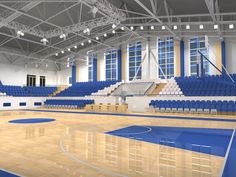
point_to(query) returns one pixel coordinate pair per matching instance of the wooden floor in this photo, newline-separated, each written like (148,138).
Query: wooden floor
(75,145)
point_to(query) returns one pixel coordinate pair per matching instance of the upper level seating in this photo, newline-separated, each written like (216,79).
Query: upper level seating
(193,106)
(171,89)
(58,103)
(107,90)
(18,91)
(207,86)
(85,88)
(40,91)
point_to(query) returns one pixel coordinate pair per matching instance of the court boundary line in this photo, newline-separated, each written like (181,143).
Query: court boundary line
(138,133)
(13,173)
(136,115)
(227,153)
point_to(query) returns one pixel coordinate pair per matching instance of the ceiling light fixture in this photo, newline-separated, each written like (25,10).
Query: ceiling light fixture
(231,26)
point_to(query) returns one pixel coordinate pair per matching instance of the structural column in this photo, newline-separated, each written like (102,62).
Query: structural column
(119,63)
(95,78)
(223,57)
(182,58)
(73,74)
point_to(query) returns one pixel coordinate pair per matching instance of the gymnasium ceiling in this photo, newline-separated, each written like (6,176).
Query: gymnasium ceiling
(38,19)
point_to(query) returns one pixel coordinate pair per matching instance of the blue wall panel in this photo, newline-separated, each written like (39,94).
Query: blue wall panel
(182,58)
(95,78)
(73,74)
(119,64)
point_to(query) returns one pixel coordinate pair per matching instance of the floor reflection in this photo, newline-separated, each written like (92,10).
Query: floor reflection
(136,158)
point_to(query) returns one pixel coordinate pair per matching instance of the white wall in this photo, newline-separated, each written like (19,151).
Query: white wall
(16,75)
(16,100)
(230,45)
(63,76)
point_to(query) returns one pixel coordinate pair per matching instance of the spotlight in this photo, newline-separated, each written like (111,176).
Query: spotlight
(187,27)
(113,26)
(75,46)
(175,27)
(216,26)
(62,52)
(163,27)
(97,38)
(122,28)
(20,33)
(231,26)
(44,41)
(63,36)
(68,49)
(89,41)
(105,35)
(132,28)
(152,27)
(113,31)
(201,27)
(141,27)
(56,54)
(82,44)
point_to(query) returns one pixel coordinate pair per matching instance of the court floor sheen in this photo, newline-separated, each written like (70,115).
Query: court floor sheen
(78,145)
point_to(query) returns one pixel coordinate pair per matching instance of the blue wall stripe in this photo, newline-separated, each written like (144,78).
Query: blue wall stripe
(138,115)
(4,173)
(182,58)
(119,57)
(73,74)
(223,56)
(95,78)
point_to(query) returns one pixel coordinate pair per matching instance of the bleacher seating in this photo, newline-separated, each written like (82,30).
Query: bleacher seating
(207,86)
(2,94)
(107,90)
(18,91)
(59,103)
(193,106)
(171,89)
(85,88)
(40,91)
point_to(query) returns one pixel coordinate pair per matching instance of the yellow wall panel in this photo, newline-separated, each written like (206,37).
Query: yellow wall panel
(218,56)
(177,57)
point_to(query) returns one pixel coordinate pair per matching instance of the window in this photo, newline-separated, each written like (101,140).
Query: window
(111,64)
(42,81)
(198,44)
(166,57)
(135,60)
(31,80)
(91,57)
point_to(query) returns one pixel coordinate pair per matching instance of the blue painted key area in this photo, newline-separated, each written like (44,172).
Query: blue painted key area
(7,174)
(31,121)
(209,141)
(230,166)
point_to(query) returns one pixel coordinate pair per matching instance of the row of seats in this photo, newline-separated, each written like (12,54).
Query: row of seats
(58,103)
(171,89)
(107,90)
(18,91)
(193,106)
(207,86)
(85,88)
